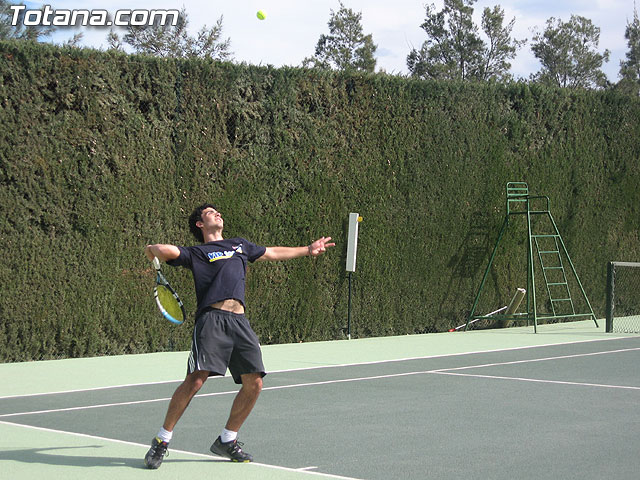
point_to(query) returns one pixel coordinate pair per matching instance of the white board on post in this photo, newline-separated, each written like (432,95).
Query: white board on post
(352,241)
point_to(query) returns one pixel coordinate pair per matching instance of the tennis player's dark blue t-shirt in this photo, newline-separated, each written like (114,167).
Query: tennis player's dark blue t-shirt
(219,268)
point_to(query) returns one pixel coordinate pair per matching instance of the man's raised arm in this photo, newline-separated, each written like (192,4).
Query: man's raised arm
(162,251)
(286,253)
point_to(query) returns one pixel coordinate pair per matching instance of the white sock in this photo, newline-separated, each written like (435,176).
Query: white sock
(228,436)
(165,435)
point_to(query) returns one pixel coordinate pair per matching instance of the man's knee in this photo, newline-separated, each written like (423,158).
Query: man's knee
(195,380)
(252,382)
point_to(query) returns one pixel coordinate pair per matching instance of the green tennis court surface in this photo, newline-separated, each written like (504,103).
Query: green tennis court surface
(497,404)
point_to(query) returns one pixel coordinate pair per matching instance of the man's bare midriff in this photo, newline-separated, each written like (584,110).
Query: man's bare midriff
(229,305)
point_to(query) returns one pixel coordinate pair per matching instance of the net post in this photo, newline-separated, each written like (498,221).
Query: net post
(609,307)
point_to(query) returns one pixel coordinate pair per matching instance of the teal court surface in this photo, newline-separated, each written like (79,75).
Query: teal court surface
(490,404)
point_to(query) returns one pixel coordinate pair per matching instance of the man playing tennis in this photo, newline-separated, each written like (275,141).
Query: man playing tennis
(222,336)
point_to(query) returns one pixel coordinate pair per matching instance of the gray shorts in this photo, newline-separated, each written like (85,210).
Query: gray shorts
(224,339)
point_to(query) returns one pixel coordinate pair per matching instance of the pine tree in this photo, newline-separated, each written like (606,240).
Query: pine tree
(630,68)
(568,54)
(454,49)
(346,47)
(175,41)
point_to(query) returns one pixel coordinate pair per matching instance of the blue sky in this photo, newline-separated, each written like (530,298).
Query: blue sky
(292,28)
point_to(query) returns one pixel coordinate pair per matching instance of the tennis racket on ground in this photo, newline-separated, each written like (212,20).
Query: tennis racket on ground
(166,297)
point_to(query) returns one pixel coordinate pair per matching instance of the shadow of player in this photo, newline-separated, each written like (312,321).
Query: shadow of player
(46,456)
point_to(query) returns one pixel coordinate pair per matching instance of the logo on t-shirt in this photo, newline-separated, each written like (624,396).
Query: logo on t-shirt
(215,256)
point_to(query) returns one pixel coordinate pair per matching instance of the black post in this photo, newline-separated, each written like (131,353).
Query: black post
(610,300)
(349,310)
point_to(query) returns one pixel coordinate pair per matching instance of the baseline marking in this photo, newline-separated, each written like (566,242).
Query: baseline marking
(200,455)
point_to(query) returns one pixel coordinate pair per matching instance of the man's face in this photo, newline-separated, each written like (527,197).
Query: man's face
(211,218)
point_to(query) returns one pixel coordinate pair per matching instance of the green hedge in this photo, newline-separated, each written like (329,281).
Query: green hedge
(102,153)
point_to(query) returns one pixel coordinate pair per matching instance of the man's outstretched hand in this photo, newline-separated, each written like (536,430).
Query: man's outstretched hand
(320,246)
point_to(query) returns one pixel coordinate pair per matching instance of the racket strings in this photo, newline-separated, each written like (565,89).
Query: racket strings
(169,304)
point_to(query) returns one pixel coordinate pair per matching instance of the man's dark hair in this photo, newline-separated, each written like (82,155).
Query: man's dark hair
(196,216)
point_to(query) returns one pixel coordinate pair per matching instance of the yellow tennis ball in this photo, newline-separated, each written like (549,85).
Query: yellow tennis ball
(261,15)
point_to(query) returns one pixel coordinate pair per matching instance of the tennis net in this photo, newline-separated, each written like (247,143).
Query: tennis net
(623,297)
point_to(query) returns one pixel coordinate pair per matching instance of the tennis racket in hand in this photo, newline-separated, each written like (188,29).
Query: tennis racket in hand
(166,297)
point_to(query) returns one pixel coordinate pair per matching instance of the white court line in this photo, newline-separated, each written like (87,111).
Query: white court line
(93,389)
(533,360)
(320,367)
(534,380)
(199,455)
(445,371)
(87,407)
(280,387)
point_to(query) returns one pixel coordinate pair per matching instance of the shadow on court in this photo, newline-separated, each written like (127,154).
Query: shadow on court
(49,456)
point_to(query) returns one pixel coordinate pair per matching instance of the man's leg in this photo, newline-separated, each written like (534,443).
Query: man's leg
(182,397)
(240,410)
(244,401)
(179,402)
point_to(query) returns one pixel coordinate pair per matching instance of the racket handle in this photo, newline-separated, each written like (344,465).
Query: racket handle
(156,263)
